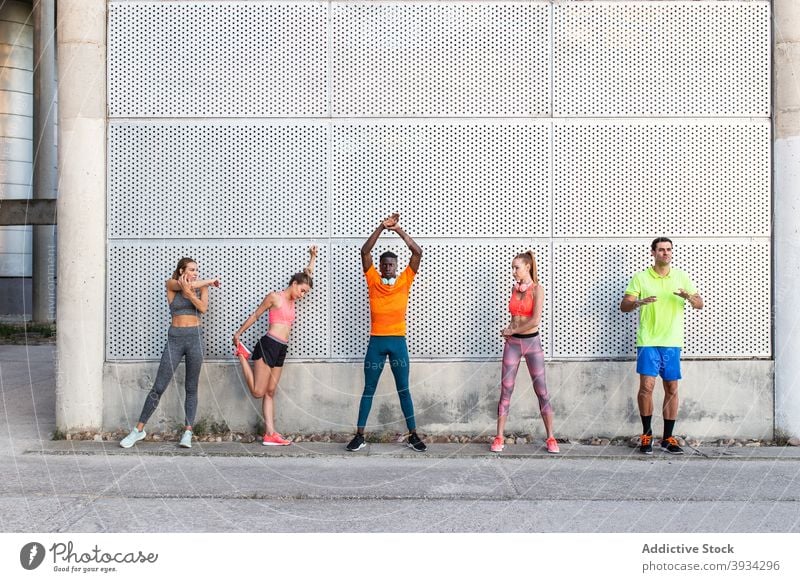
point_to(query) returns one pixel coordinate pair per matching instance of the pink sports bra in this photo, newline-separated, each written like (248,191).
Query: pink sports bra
(521,305)
(283,313)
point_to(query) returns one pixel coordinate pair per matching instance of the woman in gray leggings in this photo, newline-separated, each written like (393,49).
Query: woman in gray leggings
(187,297)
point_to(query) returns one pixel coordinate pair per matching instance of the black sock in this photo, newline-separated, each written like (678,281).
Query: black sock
(669,426)
(647,422)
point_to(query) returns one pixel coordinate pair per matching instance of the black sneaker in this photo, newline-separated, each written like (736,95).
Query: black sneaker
(670,445)
(416,443)
(357,443)
(646,443)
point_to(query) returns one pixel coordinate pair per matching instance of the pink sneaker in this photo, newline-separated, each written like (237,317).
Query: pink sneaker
(552,446)
(241,350)
(497,444)
(275,440)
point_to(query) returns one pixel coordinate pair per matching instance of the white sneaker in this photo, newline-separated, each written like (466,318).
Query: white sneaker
(186,440)
(133,437)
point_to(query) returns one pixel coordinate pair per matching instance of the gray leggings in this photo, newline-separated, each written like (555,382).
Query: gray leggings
(181,341)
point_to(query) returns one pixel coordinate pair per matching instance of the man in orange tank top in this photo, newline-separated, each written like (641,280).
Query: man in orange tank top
(388,299)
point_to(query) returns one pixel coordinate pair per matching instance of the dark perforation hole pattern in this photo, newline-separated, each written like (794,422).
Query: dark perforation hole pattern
(206,181)
(428,60)
(590,280)
(656,58)
(447,316)
(692,215)
(683,178)
(258,59)
(138,314)
(493,177)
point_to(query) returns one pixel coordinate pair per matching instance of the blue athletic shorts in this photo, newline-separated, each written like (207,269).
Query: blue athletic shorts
(655,361)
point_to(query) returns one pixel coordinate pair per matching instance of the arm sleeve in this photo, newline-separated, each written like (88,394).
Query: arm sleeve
(407,277)
(633,287)
(372,276)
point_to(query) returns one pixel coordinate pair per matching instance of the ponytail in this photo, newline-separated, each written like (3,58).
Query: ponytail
(530,260)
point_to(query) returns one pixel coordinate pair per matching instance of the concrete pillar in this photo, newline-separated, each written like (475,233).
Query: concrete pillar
(44,156)
(81,212)
(786,227)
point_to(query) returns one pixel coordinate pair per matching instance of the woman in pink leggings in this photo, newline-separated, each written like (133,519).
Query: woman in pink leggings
(523,340)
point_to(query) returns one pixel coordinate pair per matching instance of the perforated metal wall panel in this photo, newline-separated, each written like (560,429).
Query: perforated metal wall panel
(229,59)
(445,59)
(433,109)
(218,180)
(589,280)
(137,313)
(458,302)
(686,178)
(451,179)
(661,58)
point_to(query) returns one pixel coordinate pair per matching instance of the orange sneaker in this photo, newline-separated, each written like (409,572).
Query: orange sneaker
(241,350)
(646,443)
(552,446)
(670,445)
(497,444)
(275,440)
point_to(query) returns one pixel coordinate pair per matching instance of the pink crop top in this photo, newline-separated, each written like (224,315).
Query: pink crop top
(521,305)
(283,313)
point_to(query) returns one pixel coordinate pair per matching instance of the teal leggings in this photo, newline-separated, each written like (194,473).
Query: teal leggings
(379,348)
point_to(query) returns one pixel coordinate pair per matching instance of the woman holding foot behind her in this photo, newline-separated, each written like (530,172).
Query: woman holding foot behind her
(270,351)
(522,340)
(187,297)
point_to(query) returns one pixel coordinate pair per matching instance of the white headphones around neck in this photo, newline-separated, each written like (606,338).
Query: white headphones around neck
(389,281)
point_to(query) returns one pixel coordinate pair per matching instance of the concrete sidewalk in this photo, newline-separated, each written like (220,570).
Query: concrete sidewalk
(400,450)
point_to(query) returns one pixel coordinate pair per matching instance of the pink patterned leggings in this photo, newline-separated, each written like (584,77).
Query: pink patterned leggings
(531,349)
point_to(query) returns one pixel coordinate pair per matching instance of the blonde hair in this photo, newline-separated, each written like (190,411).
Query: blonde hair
(529,259)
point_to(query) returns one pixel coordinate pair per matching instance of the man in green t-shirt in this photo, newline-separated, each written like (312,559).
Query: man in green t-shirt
(659,293)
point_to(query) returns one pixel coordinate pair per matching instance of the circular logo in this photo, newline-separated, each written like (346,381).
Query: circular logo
(31,555)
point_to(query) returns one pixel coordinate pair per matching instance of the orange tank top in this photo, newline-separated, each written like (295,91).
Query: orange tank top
(521,303)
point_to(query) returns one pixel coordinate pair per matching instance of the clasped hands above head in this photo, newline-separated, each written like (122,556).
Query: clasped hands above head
(390,222)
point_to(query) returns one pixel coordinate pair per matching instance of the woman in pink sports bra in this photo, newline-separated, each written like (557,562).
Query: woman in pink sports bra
(270,351)
(522,340)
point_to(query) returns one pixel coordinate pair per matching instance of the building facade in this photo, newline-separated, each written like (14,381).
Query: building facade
(239,133)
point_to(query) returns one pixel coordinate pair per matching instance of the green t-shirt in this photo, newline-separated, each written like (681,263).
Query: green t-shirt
(661,322)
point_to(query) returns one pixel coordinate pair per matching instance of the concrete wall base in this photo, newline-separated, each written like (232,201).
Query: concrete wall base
(731,398)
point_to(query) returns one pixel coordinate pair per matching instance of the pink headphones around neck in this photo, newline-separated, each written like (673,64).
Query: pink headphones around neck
(522,287)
